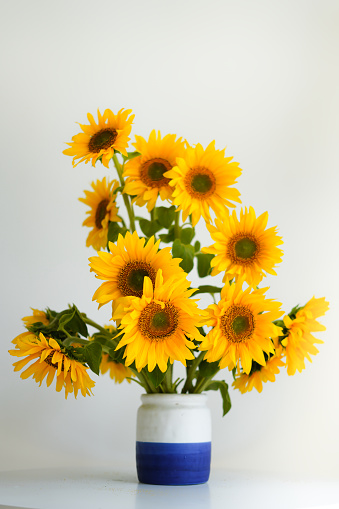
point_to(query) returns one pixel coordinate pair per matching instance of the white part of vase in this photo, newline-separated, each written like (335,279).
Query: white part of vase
(174,418)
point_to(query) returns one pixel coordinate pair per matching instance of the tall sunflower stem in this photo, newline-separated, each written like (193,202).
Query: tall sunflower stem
(152,214)
(191,373)
(88,321)
(74,339)
(202,385)
(151,386)
(177,226)
(168,379)
(143,380)
(128,205)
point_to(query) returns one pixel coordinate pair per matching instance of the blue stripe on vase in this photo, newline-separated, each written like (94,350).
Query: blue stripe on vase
(173,464)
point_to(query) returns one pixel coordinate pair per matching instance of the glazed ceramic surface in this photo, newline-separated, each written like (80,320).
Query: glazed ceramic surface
(173,439)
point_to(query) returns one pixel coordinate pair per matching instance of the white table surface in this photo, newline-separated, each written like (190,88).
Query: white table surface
(100,488)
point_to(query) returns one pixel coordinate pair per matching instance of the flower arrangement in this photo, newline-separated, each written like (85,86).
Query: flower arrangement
(143,265)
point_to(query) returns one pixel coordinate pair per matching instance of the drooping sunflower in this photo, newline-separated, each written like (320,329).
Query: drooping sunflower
(101,139)
(145,174)
(103,209)
(117,371)
(299,342)
(156,327)
(202,180)
(38,316)
(128,263)
(50,361)
(242,327)
(259,374)
(244,248)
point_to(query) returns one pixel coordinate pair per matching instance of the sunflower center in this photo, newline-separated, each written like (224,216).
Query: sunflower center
(102,140)
(48,360)
(101,213)
(152,172)
(131,277)
(237,324)
(243,249)
(200,182)
(160,320)
(157,323)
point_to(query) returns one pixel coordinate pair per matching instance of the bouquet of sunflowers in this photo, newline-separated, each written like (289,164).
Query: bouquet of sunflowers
(144,264)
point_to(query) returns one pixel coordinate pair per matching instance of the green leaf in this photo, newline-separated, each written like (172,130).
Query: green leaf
(118,190)
(92,355)
(187,235)
(204,264)
(149,228)
(208,369)
(186,253)
(117,355)
(167,237)
(222,386)
(197,246)
(156,376)
(165,215)
(208,289)
(113,231)
(130,155)
(72,322)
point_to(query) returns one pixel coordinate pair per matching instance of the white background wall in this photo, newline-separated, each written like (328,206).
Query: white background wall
(260,77)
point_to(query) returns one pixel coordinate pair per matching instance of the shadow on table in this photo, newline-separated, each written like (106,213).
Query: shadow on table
(150,496)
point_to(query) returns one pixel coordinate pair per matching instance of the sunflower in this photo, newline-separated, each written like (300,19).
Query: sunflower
(201,180)
(156,327)
(103,210)
(244,248)
(100,140)
(50,361)
(298,341)
(259,374)
(38,316)
(242,327)
(145,174)
(117,371)
(128,263)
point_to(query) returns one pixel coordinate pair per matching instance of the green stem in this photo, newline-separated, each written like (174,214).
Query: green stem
(94,324)
(143,380)
(125,197)
(191,373)
(203,384)
(74,339)
(152,214)
(177,225)
(168,379)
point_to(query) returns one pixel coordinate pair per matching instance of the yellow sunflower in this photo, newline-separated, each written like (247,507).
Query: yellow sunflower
(128,263)
(157,326)
(244,248)
(38,316)
(299,342)
(202,181)
(145,174)
(259,374)
(242,327)
(117,371)
(50,361)
(103,210)
(101,139)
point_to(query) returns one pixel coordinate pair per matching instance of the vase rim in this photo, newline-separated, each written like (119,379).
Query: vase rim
(186,399)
